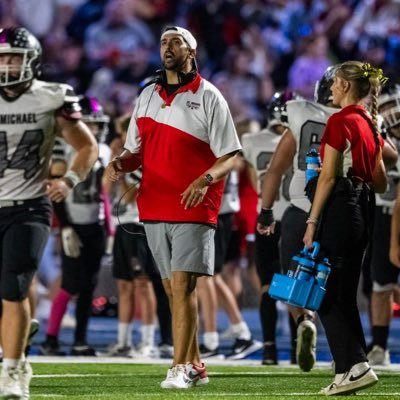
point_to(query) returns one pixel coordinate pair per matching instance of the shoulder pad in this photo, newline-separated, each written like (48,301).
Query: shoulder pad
(70,109)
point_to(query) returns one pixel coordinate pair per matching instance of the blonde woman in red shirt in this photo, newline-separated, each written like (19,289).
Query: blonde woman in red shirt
(351,151)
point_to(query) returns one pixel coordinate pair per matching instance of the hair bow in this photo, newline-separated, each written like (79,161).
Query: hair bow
(369,71)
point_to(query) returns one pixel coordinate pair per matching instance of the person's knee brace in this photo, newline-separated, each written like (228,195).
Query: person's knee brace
(16,287)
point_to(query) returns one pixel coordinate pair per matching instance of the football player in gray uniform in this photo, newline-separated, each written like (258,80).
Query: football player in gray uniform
(33,113)
(82,220)
(258,149)
(306,121)
(384,270)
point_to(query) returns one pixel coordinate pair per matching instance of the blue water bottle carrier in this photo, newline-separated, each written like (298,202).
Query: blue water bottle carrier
(304,284)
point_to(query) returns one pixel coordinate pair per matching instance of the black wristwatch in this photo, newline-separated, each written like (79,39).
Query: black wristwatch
(209,179)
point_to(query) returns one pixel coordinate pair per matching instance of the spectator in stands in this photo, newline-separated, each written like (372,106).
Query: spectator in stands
(309,66)
(118,31)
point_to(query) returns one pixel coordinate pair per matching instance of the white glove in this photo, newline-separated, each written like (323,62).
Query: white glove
(109,244)
(71,242)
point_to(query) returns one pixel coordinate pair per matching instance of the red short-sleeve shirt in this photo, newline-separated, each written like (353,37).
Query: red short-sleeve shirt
(350,132)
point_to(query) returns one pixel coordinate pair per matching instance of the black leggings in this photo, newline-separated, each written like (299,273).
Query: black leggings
(343,237)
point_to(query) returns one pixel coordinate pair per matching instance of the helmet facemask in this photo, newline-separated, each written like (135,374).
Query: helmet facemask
(93,114)
(11,75)
(389,110)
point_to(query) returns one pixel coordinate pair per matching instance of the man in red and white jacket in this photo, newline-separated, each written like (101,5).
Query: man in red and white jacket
(182,135)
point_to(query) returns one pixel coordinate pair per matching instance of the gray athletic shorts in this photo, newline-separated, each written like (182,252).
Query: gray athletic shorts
(181,247)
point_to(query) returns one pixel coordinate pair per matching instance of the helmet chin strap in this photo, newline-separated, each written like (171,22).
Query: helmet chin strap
(12,92)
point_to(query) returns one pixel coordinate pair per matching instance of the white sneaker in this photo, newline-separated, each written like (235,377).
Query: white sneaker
(10,387)
(378,356)
(360,376)
(25,378)
(335,383)
(115,350)
(148,351)
(177,378)
(306,344)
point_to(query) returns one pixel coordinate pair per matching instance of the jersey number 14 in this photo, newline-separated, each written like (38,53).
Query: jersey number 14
(26,155)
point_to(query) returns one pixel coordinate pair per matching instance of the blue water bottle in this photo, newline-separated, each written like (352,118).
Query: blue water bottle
(323,271)
(313,164)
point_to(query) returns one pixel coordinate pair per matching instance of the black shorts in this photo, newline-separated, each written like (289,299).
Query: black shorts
(224,240)
(383,271)
(293,227)
(80,273)
(132,255)
(267,255)
(24,230)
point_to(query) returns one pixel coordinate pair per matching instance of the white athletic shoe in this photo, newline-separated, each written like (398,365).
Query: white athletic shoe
(148,351)
(10,386)
(378,356)
(306,344)
(177,378)
(360,376)
(335,383)
(25,378)
(114,350)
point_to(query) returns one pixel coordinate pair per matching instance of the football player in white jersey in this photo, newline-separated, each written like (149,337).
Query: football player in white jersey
(258,149)
(33,113)
(82,221)
(134,268)
(385,271)
(306,121)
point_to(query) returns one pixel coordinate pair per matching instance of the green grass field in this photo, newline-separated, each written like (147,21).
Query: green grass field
(138,381)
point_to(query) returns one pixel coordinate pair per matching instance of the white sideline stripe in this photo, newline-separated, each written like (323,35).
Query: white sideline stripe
(209,361)
(219,394)
(61,375)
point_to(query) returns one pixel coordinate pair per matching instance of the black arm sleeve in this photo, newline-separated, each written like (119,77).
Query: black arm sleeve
(60,209)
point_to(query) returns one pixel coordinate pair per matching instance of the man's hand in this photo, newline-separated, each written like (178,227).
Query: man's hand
(266,222)
(113,170)
(70,242)
(194,194)
(57,189)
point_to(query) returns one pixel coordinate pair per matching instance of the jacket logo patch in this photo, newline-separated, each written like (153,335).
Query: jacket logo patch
(192,105)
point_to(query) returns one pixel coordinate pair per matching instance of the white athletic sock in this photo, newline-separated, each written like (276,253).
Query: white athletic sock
(148,333)
(211,340)
(241,331)
(125,334)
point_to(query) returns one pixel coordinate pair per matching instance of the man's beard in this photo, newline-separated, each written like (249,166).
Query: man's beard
(176,65)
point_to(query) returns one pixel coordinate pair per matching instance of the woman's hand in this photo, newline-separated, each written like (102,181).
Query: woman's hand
(308,237)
